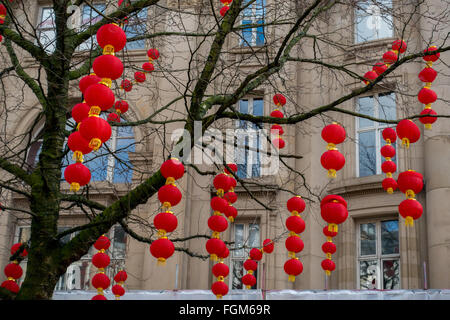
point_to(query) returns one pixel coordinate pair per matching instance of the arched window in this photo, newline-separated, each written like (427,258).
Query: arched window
(110,163)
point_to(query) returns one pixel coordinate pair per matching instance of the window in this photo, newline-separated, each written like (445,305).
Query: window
(246,237)
(110,163)
(247,155)
(46,30)
(373,20)
(253,15)
(79,273)
(369,138)
(89,17)
(136,26)
(378,255)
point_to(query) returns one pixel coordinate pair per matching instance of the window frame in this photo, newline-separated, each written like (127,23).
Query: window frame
(254,17)
(355,22)
(40,29)
(246,236)
(378,128)
(378,256)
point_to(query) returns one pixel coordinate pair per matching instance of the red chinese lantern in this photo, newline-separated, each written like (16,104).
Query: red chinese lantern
(226,2)
(87,81)
(121,106)
(389,135)
(399,45)
(102,243)
(427,121)
(224,254)
(333,134)
(294,245)
(279,99)
(13,270)
(99,297)
(10,285)
(99,95)
(101,281)
(217,223)
(276,129)
(250,265)
(233,183)
(433,57)
(139,76)
(148,67)
(162,249)
(333,209)
(389,185)
(3,13)
(295,224)
(78,145)
(80,111)
(329,248)
(293,267)
(388,151)
(153,54)
(172,169)
(16,247)
(410,183)
(379,68)
(95,130)
(268,246)
(249,280)
(296,204)
(108,67)
(219,289)
(77,175)
(215,247)
(230,196)
(231,213)
(277,114)
(411,210)
(329,233)
(111,38)
(390,57)
(427,96)
(256,254)
(169,195)
(222,183)
(126,85)
(333,161)
(165,222)
(121,276)
(408,132)
(388,166)
(370,76)
(224,10)
(328,265)
(279,143)
(118,290)
(428,75)
(219,204)
(101,260)
(113,117)
(232,166)
(220,270)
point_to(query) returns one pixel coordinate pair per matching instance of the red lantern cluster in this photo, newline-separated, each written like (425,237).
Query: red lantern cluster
(294,244)
(13,271)
(251,264)
(388,151)
(389,58)
(333,209)
(226,180)
(118,290)
(276,129)
(220,270)
(3,13)
(225,7)
(410,183)
(141,76)
(332,160)
(169,195)
(426,95)
(101,260)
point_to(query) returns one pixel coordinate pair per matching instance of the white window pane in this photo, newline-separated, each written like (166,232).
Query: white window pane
(47,18)
(119,242)
(238,240)
(367,153)
(368,239)
(366,107)
(47,39)
(389,237)
(253,237)
(238,273)
(387,110)
(368,274)
(24,234)
(373,20)
(391,274)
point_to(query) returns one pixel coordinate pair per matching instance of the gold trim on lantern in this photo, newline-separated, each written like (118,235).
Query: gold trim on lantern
(106,81)
(331,146)
(428,126)
(11,279)
(328,255)
(250,271)
(328,272)
(331,173)
(213,257)
(161,261)
(388,174)
(332,227)
(429,64)
(220,192)
(170,180)
(220,278)
(291,254)
(94,111)
(291,278)
(166,205)
(95,144)
(215,235)
(410,194)
(409,221)
(405,142)
(74,186)
(108,49)
(329,239)
(161,233)
(78,156)
(390,190)
(388,158)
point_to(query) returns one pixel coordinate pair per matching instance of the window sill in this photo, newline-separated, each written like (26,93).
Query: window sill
(247,49)
(358,185)
(385,42)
